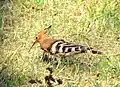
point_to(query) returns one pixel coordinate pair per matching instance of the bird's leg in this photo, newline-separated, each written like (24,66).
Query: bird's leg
(45,57)
(48,59)
(43,54)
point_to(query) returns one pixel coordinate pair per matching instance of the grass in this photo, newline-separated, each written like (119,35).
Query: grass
(91,22)
(1,21)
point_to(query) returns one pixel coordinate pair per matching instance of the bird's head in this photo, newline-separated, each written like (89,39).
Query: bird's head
(40,37)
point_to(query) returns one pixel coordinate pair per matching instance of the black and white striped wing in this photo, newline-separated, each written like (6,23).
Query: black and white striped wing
(61,47)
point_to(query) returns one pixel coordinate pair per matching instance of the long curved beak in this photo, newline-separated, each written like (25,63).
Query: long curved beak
(32,46)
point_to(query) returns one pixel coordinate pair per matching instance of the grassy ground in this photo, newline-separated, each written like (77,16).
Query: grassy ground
(92,22)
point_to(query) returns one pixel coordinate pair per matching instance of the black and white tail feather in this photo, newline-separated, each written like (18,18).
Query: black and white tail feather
(63,48)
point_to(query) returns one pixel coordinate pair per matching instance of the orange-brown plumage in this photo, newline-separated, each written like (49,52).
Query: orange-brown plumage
(43,40)
(60,47)
(46,44)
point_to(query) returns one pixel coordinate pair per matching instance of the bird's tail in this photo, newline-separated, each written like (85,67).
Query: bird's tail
(96,52)
(91,50)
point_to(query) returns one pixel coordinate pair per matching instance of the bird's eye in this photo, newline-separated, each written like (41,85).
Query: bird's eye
(36,38)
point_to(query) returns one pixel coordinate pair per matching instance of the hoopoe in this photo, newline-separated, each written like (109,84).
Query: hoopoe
(60,47)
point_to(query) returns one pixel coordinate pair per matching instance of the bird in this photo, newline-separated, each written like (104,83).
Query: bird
(61,47)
